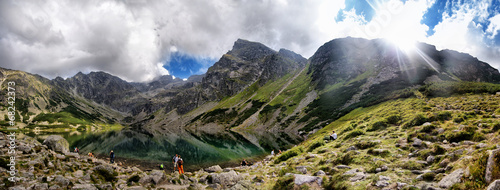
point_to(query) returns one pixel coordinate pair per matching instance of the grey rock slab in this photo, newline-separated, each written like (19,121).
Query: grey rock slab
(451,179)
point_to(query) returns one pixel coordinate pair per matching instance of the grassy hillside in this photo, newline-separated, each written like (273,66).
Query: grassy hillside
(457,131)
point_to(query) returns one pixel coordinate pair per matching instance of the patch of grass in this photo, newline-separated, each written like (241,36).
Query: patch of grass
(315,145)
(411,165)
(337,182)
(365,144)
(378,125)
(416,120)
(284,183)
(288,154)
(354,133)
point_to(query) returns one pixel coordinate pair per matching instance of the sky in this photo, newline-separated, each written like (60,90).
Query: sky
(139,40)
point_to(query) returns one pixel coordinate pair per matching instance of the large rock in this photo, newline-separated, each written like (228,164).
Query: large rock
(57,143)
(226,179)
(490,165)
(213,169)
(301,179)
(451,179)
(62,180)
(104,168)
(495,185)
(155,177)
(84,187)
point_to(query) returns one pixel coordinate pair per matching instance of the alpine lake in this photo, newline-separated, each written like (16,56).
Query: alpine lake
(225,148)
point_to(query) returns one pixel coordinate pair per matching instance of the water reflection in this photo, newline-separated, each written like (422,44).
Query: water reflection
(197,150)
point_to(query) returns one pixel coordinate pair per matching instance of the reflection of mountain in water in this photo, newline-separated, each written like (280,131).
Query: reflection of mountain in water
(200,149)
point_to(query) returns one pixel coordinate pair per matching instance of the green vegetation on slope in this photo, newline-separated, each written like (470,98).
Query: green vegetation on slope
(383,135)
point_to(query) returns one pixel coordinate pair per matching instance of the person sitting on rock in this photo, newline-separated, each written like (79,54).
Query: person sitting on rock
(333,136)
(244,163)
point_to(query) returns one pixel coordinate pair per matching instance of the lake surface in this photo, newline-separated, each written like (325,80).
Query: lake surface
(226,148)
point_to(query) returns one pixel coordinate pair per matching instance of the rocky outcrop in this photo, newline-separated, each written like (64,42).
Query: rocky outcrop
(57,143)
(451,179)
(495,185)
(491,164)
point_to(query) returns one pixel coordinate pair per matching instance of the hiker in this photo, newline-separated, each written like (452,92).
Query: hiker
(112,156)
(76,150)
(161,166)
(180,164)
(91,155)
(279,152)
(333,136)
(272,153)
(174,160)
(244,163)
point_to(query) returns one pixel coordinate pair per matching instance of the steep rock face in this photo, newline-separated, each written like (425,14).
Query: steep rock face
(246,63)
(347,58)
(356,72)
(103,88)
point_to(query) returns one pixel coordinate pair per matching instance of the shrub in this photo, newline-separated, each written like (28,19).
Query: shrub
(429,176)
(428,128)
(354,133)
(315,145)
(417,120)
(134,178)
(460,136)
(437,150)
(393,119)
(288,154)
(365,144)
(337,182)
(496,127)
(284,183)
(378,125)
(412,165)
(444,115)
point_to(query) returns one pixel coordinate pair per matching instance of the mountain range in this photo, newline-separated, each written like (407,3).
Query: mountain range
(251,87)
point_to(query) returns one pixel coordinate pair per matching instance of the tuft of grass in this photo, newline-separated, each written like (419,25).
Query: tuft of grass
(288,154)
(284,183)
(354,133)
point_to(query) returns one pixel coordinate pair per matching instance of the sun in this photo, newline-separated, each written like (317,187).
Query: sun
(403,43)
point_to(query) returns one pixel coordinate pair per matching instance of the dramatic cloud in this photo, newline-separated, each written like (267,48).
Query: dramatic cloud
(137,39)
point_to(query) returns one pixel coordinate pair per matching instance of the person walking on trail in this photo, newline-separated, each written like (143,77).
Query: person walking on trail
(112,157)
(244,163)
(333,136)
(180,164)
(174,160)
(272,153)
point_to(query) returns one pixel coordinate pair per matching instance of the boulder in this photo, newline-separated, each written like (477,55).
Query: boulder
(301,169)
(417,142)
(430,159)
(55,187)
(84,187)
(226,179)
(342,167)
(351,148)
(40,186)
(491,164)
(157,176)
(451,179)
(61,180)
(320,173)
(358,176)
(495,185)
(57,143)
(25,149)
(104,168)
(301,179)
(213,169)
(243,185)
(383,181)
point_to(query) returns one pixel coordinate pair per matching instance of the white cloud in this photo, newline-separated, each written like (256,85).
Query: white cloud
(129,38)
(461,33)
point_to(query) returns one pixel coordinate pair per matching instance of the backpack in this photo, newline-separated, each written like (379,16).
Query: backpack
(180,162)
